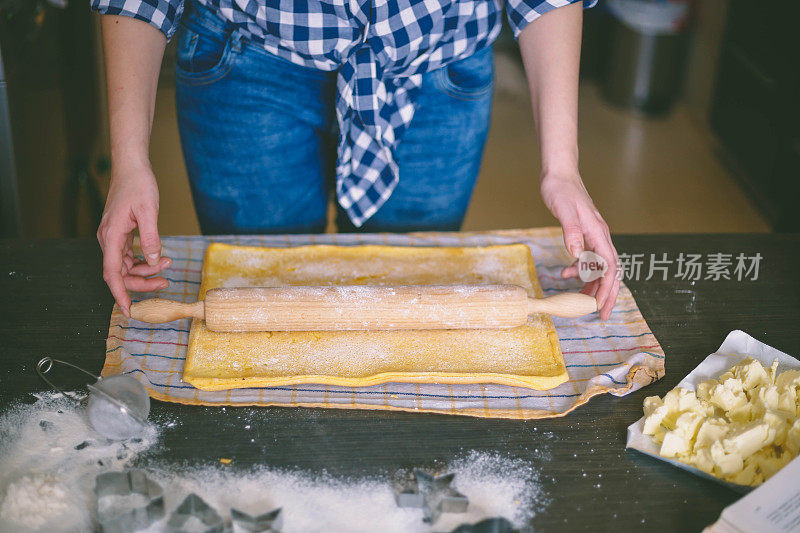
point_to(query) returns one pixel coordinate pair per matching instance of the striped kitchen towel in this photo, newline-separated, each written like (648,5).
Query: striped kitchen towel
(616,357)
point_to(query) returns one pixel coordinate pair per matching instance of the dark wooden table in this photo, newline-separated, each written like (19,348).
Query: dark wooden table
(54,303)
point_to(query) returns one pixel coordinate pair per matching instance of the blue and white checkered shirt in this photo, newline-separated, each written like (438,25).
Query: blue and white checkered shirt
(380,48)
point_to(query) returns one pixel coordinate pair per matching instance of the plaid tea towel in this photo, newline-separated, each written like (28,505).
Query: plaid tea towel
(616,357)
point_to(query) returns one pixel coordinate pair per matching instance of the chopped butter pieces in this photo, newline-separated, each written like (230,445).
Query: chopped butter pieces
(743,426)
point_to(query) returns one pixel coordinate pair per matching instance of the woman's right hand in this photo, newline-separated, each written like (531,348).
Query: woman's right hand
(132,202)
(131,81)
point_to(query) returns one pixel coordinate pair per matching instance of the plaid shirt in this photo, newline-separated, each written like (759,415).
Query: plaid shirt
(380,48)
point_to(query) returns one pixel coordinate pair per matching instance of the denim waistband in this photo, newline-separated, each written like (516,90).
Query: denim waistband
(200,14)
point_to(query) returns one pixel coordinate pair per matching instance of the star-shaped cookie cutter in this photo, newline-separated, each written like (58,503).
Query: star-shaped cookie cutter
(264,523)
(128,483)
(193,506)
(433,494)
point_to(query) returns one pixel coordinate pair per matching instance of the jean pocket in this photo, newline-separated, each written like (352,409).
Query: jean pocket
(204,57)
(471,78)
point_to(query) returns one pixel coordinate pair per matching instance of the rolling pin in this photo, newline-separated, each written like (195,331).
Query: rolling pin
(361,307)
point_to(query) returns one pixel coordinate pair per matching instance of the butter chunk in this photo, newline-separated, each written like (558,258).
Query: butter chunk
(687,401)
(773,371)
(725,376)
(748,439)
(711,431)
(725,464)
(788,379)
(701,458)
(653,421)
(768,397)
(675,443)
(749,475)
(675,398)
(787,400)
(704,388)
(728,395)
(651,403)
(689,423)
(752,374)
(680,440)
(743,414)
(778,421)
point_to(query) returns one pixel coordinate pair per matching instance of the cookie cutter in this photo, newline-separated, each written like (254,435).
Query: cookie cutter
(433,494)
(497,524)
(264,523)
(193,506)
(127,483)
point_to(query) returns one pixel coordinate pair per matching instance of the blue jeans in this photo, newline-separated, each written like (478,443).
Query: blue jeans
(259,138)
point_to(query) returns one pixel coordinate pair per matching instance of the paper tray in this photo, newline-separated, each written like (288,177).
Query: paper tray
(737,346)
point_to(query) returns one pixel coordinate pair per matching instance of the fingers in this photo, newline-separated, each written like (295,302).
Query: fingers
(135,272)
(589,231)
(573,236)
(584,229)
(591,288)
(147,219)
(141,269)
(605,302)
(608,306)
(112,242)
(570,271)
(140,284)
(608,284)
(121,270)
(572,228)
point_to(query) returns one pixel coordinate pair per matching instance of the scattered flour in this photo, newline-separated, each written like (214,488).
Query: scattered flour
(32,500)
(49,457)
(494,484)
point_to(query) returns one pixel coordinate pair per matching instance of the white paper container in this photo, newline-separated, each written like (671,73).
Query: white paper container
(734,349)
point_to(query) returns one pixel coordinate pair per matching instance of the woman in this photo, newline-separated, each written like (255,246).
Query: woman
(388,100)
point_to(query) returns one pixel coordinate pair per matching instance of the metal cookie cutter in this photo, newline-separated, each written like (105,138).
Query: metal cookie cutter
(127,483)
(433,494)
(193,506)
(263,523)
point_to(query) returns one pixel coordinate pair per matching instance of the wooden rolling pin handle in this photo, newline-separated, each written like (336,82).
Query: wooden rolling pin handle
(565,304)
(157,310)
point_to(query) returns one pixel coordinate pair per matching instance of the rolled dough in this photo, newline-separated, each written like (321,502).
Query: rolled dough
(527,356)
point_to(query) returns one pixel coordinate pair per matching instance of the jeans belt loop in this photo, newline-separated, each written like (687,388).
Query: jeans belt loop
(236,41)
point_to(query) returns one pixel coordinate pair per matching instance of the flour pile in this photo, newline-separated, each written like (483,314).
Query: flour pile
(49,457)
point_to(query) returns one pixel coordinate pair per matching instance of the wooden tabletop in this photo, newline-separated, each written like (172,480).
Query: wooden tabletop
(55,303)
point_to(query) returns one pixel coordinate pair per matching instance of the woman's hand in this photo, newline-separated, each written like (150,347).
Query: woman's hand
(131,80)
(132,202)
(584,229)
(551,49)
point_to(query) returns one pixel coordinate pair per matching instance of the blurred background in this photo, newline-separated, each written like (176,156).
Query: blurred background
(689,122)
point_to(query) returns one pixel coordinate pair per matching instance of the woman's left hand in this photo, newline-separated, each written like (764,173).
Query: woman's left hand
(584,229)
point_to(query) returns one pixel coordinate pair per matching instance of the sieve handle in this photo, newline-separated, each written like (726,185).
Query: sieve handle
(44,366)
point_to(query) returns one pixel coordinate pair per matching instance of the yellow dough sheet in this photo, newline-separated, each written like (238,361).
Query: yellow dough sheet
(527,356)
